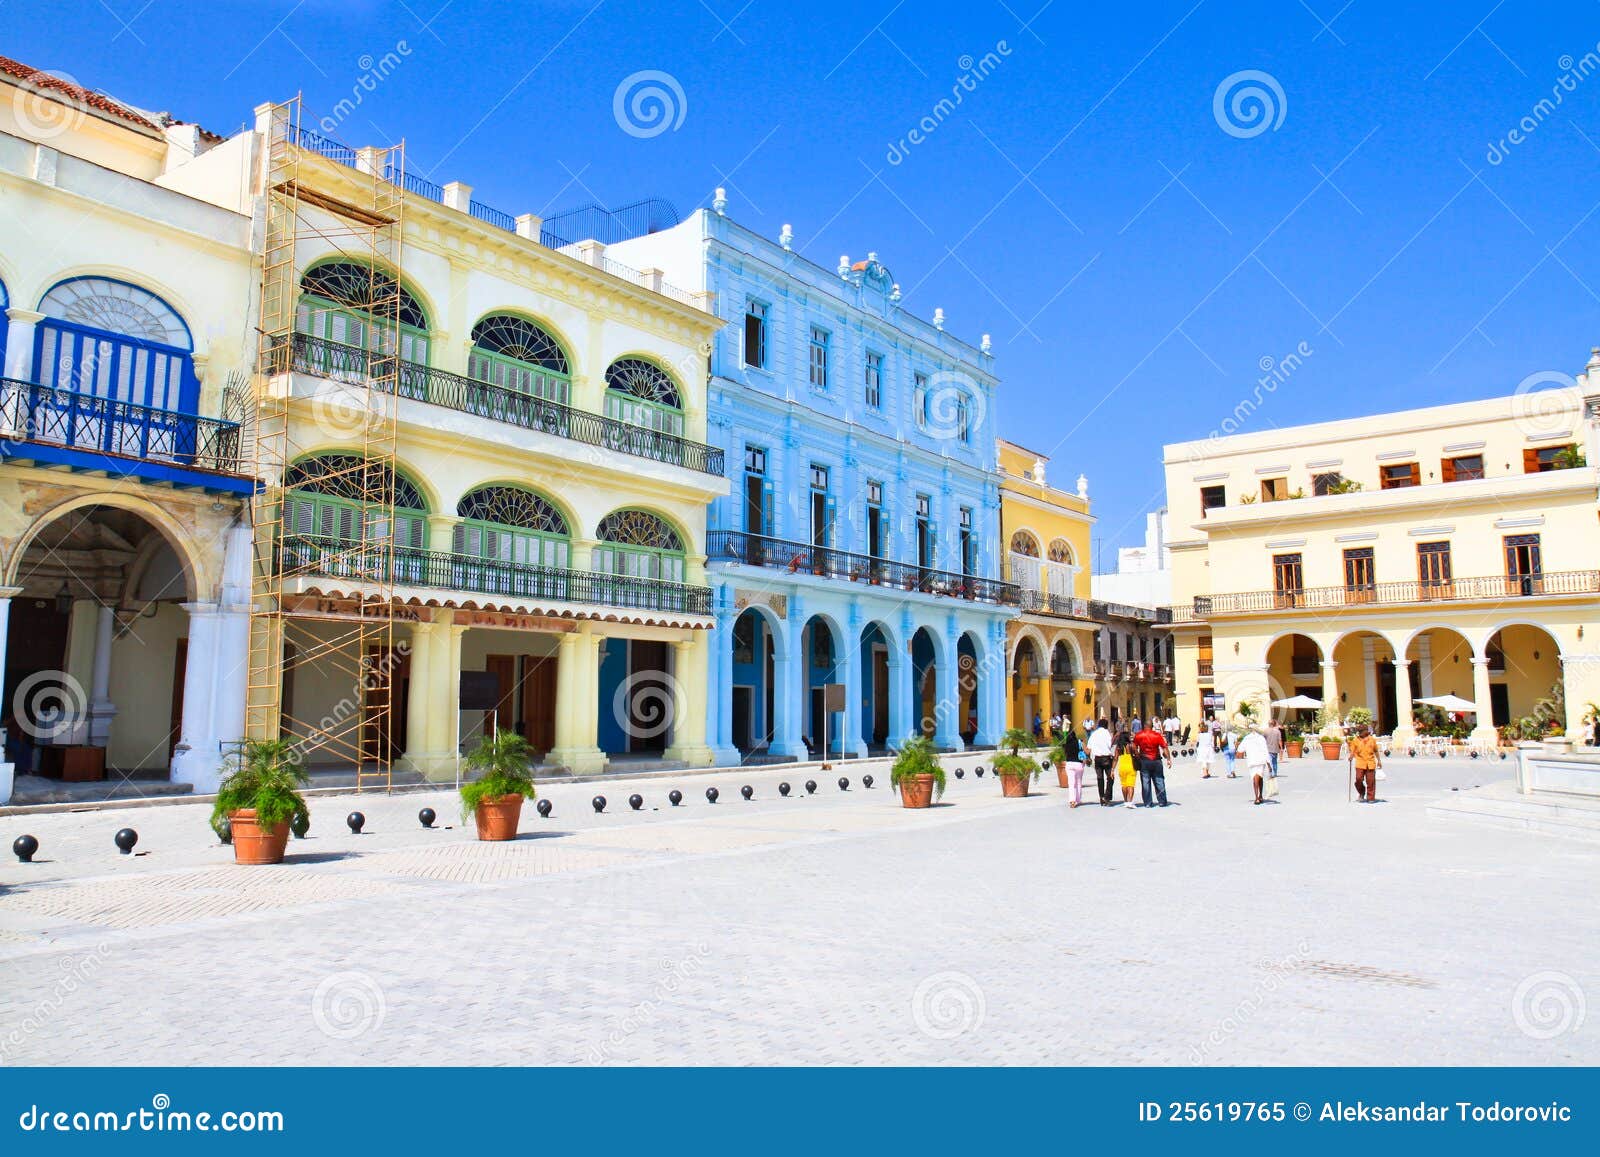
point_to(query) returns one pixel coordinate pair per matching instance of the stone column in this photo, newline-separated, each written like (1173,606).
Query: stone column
(101,710)
(1330,685)
(789,675)
(20,325)
(947,695)
(1484,729)
(902,722)
(850,725)
(433,708)
(719,688)
(7,771)
(578,703)
(197,757)
(690,665)
(1405,732)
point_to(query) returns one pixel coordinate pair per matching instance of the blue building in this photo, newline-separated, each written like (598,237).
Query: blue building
(858,544)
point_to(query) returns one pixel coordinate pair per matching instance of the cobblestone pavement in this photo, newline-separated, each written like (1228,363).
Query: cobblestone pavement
(834,929)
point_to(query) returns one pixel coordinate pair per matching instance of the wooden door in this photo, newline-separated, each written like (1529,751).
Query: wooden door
(504,669)
(539,702)
(386,683)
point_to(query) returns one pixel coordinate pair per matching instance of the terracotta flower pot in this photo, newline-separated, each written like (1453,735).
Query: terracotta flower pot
(1015,786)
(253,844)
(1331,748)
(498,816)
(1061,775)
(1294,749)
(917,791)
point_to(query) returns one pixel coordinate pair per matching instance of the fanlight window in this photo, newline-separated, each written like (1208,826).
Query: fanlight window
(115,340)
(1025,544)
(516,354)
(511,525)
(1025,565)
(638,544)
(1061,551)
(343,497)
(354,305)
(642,394)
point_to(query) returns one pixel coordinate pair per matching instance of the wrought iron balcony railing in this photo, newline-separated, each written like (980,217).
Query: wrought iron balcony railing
(79,421)
(1493,588)
(1043,602)
(317,556)
(421,383)
(803,558)
(1100,610)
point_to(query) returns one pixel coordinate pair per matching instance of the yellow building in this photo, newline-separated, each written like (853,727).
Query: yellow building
(1375,562)
(1050,646)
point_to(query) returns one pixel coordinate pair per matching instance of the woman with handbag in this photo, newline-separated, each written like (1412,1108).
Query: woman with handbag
(1127,766)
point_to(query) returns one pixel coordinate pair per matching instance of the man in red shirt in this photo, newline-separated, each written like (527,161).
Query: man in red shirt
(1154,756)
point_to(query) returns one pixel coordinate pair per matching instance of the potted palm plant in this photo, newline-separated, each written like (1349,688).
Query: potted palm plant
(1330,733)
(917,773)
(1015,769)
(1294,741)
(259,796)
(501,762)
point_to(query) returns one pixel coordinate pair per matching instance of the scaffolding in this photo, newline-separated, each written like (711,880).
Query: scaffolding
(355,214)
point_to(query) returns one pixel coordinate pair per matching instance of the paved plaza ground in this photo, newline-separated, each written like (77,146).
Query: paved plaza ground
(836,929)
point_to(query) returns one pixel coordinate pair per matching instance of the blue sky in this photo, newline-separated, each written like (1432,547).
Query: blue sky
(1134,261)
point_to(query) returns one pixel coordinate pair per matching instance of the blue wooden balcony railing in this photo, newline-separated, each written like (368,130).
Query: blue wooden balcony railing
(309,555)
(33,413)
(328,359)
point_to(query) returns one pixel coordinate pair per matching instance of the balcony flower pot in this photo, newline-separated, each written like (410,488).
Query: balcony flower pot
(501,761)
(259,796)
(917,773)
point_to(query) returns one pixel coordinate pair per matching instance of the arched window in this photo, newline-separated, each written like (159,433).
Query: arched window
(1024,544)
(638,544)
(1026,570)
(642,394)
(1061,551)
(516,354)
(339,497)
(512,525)
(115,340)
(352,304)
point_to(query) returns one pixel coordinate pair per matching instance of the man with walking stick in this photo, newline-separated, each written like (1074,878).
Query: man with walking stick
(1365,760)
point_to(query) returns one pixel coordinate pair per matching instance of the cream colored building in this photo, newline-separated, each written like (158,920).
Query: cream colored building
(1373,561)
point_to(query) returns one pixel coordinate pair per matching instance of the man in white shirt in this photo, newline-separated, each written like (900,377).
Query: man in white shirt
(1257,759)
(1172,727)
(1104,754)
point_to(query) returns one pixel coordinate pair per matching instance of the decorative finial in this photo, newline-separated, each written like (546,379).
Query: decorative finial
(844,266)
(786,237)
(720,202)
(894,294)
(872,258)
(1594,358)
(938,320)
(988,344)
(1083,486)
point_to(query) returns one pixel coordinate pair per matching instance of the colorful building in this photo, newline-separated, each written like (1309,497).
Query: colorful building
(857,548)
(1050,645)
(126,275)
(1375,562)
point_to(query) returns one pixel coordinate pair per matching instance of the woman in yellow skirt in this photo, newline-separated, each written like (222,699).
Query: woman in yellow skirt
(1127,769)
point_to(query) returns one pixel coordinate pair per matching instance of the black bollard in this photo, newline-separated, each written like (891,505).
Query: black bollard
(599,803)
(866,782)
(978,771)
(356,821)
(711,794)
(636,801)
(545,808)
(960,773)
(783,790)
(747,791)
(125,839)
(25,846)
(426,816)
(811,787)
(675,797)
(300,823)
(844,784)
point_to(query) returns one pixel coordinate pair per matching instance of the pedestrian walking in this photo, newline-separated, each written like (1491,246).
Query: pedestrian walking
(1257,759)
(1104,754)
(1069,752)
(1230,751)
(1205,752)
(1274,738)
(1150,747)
(1365,760)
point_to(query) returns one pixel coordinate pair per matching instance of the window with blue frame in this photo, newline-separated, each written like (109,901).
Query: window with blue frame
(116,341)
(873,381)
(758,496)
(822,507)
(919,399)
(819,357)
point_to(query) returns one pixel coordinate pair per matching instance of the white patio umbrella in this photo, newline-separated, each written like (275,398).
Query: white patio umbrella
(1297,701)
(1450,703)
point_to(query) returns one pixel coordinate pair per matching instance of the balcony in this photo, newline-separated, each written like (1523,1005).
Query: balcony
(84,432)
(1107,669)
(825,562)
(1045,603)
(439,570)
(326,359)
(1100,611)
(1492,588)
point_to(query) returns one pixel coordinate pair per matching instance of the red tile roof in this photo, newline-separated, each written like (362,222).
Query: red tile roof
(50,82)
